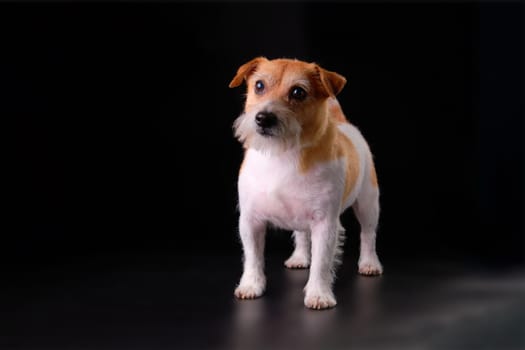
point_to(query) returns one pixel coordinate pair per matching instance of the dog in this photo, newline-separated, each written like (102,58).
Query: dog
(304,165)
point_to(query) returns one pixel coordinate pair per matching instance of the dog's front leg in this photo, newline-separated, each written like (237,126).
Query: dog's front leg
(253,281)
(318,290)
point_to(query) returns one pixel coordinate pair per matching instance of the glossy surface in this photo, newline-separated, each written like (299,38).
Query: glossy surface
(168,302)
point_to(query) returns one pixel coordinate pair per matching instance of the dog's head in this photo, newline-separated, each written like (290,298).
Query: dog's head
(285,104)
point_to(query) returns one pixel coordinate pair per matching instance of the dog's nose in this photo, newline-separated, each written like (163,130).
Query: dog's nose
(265,119)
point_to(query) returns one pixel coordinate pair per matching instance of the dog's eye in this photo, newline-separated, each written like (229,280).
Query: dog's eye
(259,87)
(297,93)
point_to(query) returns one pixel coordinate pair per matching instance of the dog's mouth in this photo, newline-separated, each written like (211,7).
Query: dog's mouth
(268,132)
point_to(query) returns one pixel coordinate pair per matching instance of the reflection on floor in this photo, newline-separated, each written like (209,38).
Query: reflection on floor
(169,302)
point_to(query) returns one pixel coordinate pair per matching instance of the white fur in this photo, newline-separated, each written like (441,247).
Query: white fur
(365,201)
(286,134)
(272,190)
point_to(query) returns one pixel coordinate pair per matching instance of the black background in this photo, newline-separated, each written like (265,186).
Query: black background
(122,114)
(121,157)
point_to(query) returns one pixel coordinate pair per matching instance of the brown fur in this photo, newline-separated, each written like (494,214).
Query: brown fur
(318,115)
(348,151)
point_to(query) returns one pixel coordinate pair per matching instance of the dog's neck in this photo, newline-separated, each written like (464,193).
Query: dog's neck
(320,149)
(317,140)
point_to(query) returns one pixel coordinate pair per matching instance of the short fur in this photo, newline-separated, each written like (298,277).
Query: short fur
(302,174)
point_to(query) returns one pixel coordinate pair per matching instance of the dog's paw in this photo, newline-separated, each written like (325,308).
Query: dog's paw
(297,262)
(370,267)
(250,290)
(319,301)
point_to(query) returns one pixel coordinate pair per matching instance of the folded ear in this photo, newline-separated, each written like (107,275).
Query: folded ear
(245,71)
(332,82)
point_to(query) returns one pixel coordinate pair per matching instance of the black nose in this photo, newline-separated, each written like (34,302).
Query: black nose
(266,119)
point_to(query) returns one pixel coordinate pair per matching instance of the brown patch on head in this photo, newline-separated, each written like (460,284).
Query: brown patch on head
(270,88)
(245,71)
(279,76)
(331,83)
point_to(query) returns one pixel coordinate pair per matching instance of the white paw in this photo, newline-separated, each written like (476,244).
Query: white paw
(250,290)
(318,300)
(370,267)
(297,261)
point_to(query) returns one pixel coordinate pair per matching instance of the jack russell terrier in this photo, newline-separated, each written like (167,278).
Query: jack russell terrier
(304,165)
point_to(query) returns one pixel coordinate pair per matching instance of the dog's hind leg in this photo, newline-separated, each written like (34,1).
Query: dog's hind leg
(300,258)
(366,210)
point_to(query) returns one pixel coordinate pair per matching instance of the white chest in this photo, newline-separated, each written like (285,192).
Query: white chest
(272,189)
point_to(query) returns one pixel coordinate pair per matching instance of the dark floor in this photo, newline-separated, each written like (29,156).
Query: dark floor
(168,302)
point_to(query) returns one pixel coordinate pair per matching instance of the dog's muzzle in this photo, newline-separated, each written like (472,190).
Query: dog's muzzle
(266,121)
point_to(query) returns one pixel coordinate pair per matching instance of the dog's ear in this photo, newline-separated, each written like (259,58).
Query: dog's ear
(245,71)
(331,82)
